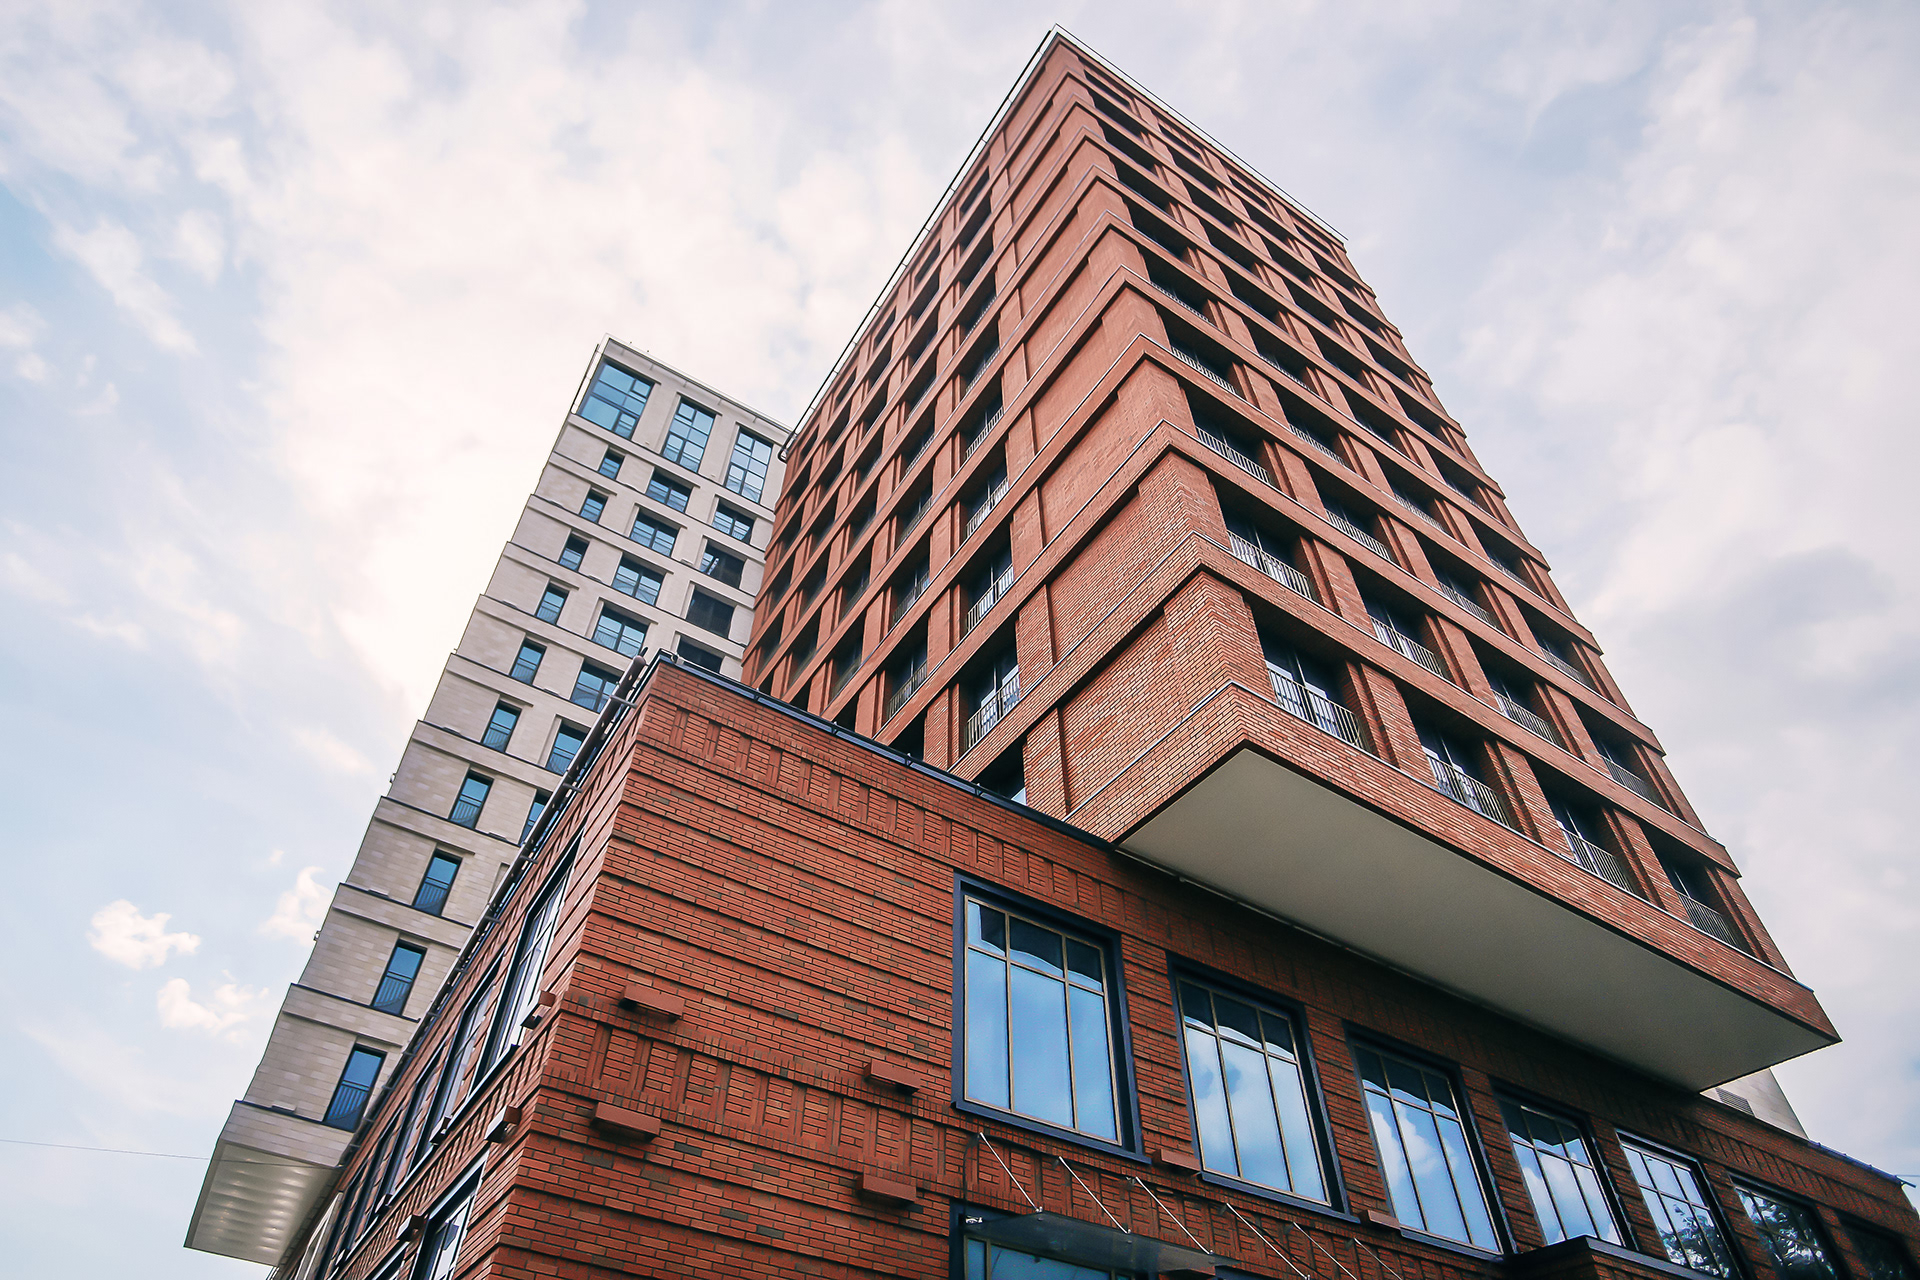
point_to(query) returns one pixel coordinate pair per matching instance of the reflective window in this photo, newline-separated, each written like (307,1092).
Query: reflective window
(471,800)
(722,565)
(442,1243)
(990,1262)
(431,897)
(747,471)
(615,400)
(665,489)
(733,523)
(1791,1235)
(653,535)
(594,506)
(593,686)
(620,631)
(522,985)
(534,811)
(403,966)
(566,745)
(500,728)
(610,465)
(356,1085)
(1560,1176)
(573,553)
(710,614)
(698,654)
(1421,1136)
(687,436)
(636,580)
(527,662)
(1038,1026)
(551,602)
(1681,1212)
(453,1083)
(1885,1257)
(1249,1093)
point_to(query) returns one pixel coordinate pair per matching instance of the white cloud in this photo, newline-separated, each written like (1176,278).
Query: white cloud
(20,325)
(112,255)
(329,751)
(300,909)
(228,1007)
(124,936)
(200,243)
(33,367)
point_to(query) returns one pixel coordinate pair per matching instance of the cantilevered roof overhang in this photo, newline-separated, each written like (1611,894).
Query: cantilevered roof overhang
(1281,841)
(269,1173)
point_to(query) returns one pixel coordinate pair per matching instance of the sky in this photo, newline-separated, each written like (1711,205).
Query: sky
(293,297)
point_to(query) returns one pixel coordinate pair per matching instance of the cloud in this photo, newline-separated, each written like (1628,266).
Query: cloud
(20,325)
(228,1007)
(124,936)
(33,367)
(199,242)
(329,751)
(299,910)
(112,255)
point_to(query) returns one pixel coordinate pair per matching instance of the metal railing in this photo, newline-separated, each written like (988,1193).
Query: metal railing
(905,601)
(1381,434)
(988,501)
(1456,782)
(988,598)
(391,997)
(349,1100)
(980,368)
(1561,664)
(1322,713)
(1604,863)
(843,675)
(987,424)
(1345,524)
(980,723)
(1233,455)
(432,897)
(466,811)
(1528,719)
(904,690)
(1314,442)
(1711,922)
(1273,566)
(913,518)
(1179,301)
(1402,643)
(1468,603)
(1420,512)
(1633,782)
(1205,370)
(496,738)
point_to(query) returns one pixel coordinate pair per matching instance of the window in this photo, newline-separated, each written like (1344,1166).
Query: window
(431,896)
(396,984)
(472,798)
(991,580)
(985,498)
(616,400)
(448,1093)
(620,632)
(747,471)
(653,535)
(992,1262)
(610,465)
(1455,773)
(1396,630)
(1249,1086)
(355,1087)
(1681,1212)
(709,614)
(1038,1023)
(636,580)
(522,986)
(538,807)
(594,506)
(1580,830)
(1306,688)
(573,553)
(500,728)
(594,686)
(528,661)
(1791,1235)
(732,523)
(552,601)
(699,655)
(566,745)
(1422,1140)
(410,1122)
(990,694)
(687,436)
(723,565)
(1885,1257)
(1560,1176)
(663,488)
(444,1233)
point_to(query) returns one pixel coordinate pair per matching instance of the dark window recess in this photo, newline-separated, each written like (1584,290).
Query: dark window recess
(1007,776)
(610,465)
(567,742)
(574,552)
(664,489)
(1220,214)
(500,727)
(1456,772)
(846,661)
(593,506)
(1158,231)
(593,686)
(471,800)
(637,580)
(921,302)
(977,307)
(538,807)
(733,523)
(355,1087)
(527,663)
(1257,299)
(778,587)
(921,341)
(710,614)
(698,654)
(853,584)
(1179,287)
(722,565)
(403,966)
(1129,148)
(653,535)
(436,884)
(1119,117)
(963,278)
(1135,181)
(908,586)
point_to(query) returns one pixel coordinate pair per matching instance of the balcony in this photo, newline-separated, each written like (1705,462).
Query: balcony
(1179,301)
(1633,782)
(903,690)
(1601,862)
(1712,923)
(1347,525)
(1273,566)
(1527,719)
(1562,665)
(1468,603)
(1233,455)
(1451,780)
(987,424)
(988,598)
(1322,713)
(1206,371)
(984,508)
(981,722)
(1318,445)
(1406,646)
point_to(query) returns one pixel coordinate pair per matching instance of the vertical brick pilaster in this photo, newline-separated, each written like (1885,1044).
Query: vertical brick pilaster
(1565,714)
(1334,577)
(1523,793)
(1645,862)
(1046,765)
(1388,723)
(1454,646)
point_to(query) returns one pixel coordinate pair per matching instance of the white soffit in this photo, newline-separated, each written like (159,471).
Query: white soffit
(1268,835)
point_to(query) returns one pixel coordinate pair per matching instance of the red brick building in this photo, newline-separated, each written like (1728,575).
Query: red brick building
(1179,826)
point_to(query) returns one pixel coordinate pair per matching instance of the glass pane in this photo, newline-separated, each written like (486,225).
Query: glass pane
(1466,1181)
(1035,946)
(1209,1098)
(1278,1033)
(986,1031)
(1092,1066)
(1432,1179)
(986,928)
(1597,1207)
(1196,1006)
(1084,964)
(1536,1180)
(1038,1006)
(1405,1082)
(1239,1024)
(1256,1129)
(1393,1160)
(1296,1129)
(1567,1197)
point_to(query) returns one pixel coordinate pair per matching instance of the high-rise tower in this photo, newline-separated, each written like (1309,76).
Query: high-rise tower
(1170,822)
(646,531)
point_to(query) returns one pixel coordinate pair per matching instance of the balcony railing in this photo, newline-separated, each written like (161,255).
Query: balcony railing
(1471,792)
(1274,567)
(432,897)
(466,811)
(1340,521)
(904,600)
(984,508)
(987,424)
(980,723)
(348,1102)
(1402,643)
(842,675)
(1421,513)
(1315,443)
(904,690)
(912,518)
(1233,455)
(1468,603)
(1320,712)
(1711,922)
(392,994)
(1604,863)
(1179,301)
(1528,719)
(988,598)
(1633,782)
(1561,664)
(1206,371)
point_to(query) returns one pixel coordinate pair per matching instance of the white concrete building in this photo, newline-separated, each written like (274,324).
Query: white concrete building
(647,530)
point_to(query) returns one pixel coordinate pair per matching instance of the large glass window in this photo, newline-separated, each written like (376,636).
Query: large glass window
(710,614)
(1305,687)
(621,632)
(991,1262)
(724,565)
(594,506)
(534,810)
(990,693)
(615,400)
(522,985)
(1456,773)
(431,897)
(594,686)
(396,984)
(687,436)
(733,523)
(1249,1088)
(500,727)
(1039,1025)
(1791,1234)
(1422,1139)
(1677,1201)
(665,489)
(698,654)
(356,1085)
(573,553)
(1885,1257)
(1560,1176)
(653,535)
(451,1088)
(747,471)
(636,580)
(444,1234)
(527,662)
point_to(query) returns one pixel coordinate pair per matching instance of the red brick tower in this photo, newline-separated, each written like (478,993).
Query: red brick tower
(1348,926)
